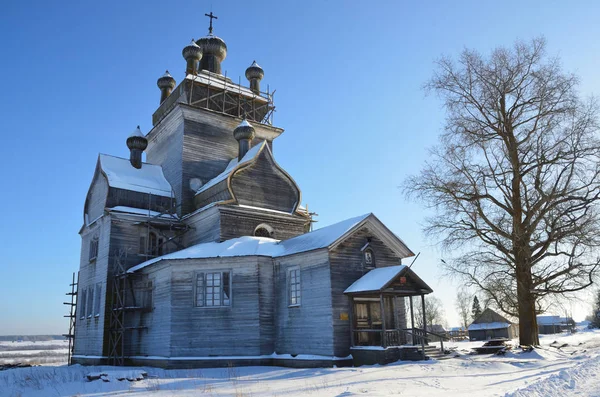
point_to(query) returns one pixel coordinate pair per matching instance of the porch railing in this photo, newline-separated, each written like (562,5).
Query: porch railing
(396,337)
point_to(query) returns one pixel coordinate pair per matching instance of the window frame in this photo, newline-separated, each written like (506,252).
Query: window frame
(93,249)
(297,289)
(90,303)
(221,287)
(97,300)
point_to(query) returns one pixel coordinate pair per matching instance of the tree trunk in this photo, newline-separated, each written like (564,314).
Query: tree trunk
(528,332)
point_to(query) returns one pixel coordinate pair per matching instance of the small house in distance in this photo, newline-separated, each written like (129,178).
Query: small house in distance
(554,324)
(491,325)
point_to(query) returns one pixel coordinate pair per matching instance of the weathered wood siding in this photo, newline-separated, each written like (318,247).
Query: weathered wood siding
(165,148)
(215,193)
(266,304)
(125,247)
(204,227)
(236,221)
(262,184)
(89,331)
(220,331)
(208,146)
(308,328)
(96,198)
(128,198)
(155,339)
(347,266)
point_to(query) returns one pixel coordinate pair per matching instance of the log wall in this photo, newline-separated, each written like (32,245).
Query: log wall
(347,266)
(307,328)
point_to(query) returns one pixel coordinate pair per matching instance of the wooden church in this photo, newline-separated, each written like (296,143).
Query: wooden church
(203,256)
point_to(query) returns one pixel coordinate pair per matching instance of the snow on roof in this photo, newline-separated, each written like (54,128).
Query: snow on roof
(249,156)
(321,238)
(552,320)
(480,326)
(122,175)
(375,280)
(262,246)
(241,246)
(244,123)
(137,132)
(139,211)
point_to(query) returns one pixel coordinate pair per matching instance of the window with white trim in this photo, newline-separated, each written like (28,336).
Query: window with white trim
(93,249)
(213,289)
(294,287)
(90,302)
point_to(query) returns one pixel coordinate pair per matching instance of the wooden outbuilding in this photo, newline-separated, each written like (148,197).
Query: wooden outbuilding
(491,325)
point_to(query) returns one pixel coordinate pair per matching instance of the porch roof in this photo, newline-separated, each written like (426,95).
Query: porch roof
(380,279)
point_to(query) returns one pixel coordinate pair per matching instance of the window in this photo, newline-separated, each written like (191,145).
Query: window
(369,258)
(81,302)
(90,302)
(264,230)
(156,245)
(213,289)
(93,249)
(97,300)
(294,286)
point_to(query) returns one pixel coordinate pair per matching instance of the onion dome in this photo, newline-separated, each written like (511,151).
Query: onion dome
(214,51)
(192,53)
(254,71)
(243,131)
(166,81)
(137,143)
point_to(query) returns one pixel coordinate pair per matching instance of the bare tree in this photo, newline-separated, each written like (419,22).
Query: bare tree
(434,312)
(515,181)
(463,307)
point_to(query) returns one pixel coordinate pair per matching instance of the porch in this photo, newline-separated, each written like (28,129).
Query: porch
(379,332)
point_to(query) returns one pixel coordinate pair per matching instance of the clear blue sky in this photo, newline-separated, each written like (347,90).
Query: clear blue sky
(79,76)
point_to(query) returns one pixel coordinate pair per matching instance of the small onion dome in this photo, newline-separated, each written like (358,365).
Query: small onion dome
(254,71)
(192,51)
(137,140)
(213,45)
(166,81)
(243,131)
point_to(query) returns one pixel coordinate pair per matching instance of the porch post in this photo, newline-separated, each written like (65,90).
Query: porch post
(351,318)
(382,304)
(424,315)
(412,322)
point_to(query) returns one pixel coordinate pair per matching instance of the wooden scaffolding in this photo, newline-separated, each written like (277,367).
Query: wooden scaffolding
(71,316)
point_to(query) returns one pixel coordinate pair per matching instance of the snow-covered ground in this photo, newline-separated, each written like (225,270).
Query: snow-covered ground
(569,367)
(51,352)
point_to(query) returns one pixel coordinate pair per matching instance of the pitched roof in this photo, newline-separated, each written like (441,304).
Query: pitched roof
(325,237)
(490,316)
(122,175)
(552,320)
(494,325)
(375,280)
